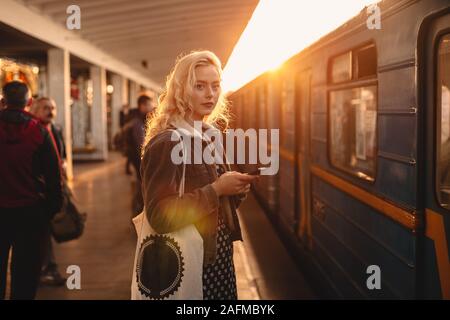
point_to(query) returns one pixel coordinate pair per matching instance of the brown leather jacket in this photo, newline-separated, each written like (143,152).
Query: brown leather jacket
(166,212)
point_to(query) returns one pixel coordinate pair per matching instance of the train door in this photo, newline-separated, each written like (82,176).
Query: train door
(436,244)
(287,171)
(303,86)
(273,122)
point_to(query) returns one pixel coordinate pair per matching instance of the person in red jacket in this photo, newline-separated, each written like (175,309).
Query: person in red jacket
(30,191)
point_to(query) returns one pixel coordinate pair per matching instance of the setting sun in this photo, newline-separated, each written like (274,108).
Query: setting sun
(279,29)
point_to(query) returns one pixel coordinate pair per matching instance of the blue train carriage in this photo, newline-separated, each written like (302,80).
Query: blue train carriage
(255,106)
(363,188)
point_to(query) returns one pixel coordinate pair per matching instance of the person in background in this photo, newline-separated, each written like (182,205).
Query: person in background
(137,123)
(44,109)
(124,116)
(134,133)
(30,191)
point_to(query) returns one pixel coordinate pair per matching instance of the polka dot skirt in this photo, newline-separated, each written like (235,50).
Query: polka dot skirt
(219,278)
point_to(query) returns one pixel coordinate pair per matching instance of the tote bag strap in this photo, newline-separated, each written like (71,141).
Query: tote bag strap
(182,181)
(183,176)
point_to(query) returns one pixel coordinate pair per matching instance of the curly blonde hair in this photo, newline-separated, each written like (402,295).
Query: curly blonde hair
(175,101)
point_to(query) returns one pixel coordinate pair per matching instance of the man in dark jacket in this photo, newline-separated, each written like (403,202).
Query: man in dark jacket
(44,109)
(134,133)
(30,191)
(123,119)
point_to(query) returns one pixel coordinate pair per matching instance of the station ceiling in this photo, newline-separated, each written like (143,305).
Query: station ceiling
(149,34)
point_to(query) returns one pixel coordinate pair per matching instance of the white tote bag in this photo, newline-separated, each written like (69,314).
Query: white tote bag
(167,266)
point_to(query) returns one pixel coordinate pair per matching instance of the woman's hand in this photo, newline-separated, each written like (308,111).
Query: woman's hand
(232,183)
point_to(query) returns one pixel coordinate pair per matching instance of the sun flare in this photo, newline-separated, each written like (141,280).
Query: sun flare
(278,29)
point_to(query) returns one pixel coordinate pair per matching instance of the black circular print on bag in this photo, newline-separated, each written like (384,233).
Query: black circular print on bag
(160,267)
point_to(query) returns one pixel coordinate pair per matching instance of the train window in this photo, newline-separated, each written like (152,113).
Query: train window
(237,112)
(365,62)
(443,114)
(341,68)
(283,113)
(356,64)
(240,113)
(255,104)
(262,106)
(287,115)
(353,115)
(245,110)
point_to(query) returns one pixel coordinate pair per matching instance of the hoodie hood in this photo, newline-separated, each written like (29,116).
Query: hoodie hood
(196,131)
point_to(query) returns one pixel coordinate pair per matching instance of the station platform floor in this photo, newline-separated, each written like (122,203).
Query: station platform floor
(105,252)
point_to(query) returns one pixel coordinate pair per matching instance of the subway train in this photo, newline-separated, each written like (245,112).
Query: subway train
(362,194)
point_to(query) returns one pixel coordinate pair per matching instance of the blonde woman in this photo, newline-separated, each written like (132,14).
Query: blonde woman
(212,192)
